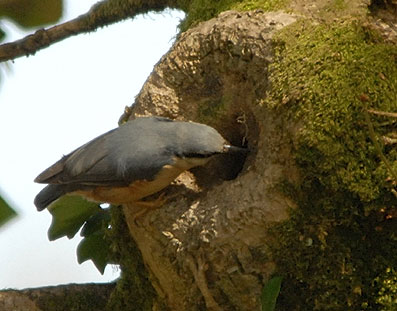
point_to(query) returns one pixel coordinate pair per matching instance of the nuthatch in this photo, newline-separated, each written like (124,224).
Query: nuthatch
(131,162)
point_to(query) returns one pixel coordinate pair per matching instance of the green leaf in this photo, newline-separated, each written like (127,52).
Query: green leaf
(270,293)
(96,222)
(69,213)
(2,34)
(96,248)
(6,212)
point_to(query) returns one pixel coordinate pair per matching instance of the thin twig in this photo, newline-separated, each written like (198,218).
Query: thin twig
(101,14)
(383,113)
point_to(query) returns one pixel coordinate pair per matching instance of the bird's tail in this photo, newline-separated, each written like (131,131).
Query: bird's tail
(48,195)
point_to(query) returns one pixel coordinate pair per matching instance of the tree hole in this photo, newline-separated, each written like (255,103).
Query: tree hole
(241,130)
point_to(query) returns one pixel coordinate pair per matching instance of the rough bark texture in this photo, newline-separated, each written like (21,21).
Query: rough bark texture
(53,298)
(205,249)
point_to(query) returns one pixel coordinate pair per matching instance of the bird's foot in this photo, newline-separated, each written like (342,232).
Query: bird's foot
(151,205)
(146,206)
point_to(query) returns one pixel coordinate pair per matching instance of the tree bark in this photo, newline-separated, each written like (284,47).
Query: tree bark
(205,249)
(89,297)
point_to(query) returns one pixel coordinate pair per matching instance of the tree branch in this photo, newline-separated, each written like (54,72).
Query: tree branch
(101,14)
(87,297)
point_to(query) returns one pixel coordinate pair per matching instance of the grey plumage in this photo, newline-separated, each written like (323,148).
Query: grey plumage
(137,150)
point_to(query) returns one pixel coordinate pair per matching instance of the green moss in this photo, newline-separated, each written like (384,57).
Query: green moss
(335,248)
(387,283)
(339,4)
(266,5)
(334,8)
(321,74)
(74,298)
(211,109)
(108,12)
(133,291)
(202,10)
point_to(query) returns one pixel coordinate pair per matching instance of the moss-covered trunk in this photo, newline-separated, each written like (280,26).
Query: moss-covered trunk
(313,201)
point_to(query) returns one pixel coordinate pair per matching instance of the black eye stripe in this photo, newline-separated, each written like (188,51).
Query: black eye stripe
(196,155)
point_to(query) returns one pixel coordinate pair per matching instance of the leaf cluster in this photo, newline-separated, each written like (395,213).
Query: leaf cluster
(72,213)
(106,240)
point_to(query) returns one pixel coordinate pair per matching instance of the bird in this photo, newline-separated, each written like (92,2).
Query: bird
(131,162)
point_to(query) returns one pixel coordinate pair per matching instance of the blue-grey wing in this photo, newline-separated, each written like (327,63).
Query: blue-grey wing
(117,157)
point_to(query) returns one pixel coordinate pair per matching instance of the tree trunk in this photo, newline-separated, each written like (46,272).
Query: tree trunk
(205,249)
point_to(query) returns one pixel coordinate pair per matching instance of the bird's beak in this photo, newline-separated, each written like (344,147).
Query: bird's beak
(233,149)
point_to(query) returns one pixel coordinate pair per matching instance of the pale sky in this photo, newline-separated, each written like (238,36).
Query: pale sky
(51,103)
